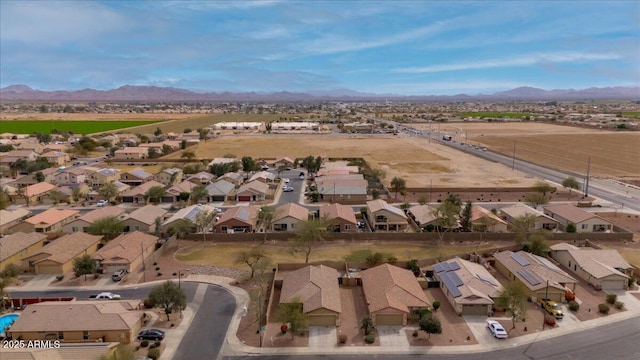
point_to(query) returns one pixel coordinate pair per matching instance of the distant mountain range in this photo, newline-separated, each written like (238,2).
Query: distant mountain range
(129,93)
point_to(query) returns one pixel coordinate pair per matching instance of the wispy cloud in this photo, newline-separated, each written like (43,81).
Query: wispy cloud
(525,60)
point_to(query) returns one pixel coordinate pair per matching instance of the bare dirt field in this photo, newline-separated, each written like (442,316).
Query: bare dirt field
(420,163)
(461,129)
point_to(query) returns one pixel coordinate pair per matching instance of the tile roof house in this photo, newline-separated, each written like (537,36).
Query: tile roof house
(384,217)
(136,194)
(342,217)
(468,286)
(80,321)
(344,189)
(541,277)
(56,157)
(201,178)
(233,177)
(220,190)
(131,153)
(422,215)
(49,221)
(88,219)
(263,176)
(188,215)
(103,176)
(316,288)
(144,219)
(169,176)
(604,269)
(283,162)
(135,177)
(509,213)
(252,191)
(285,217)
(484,220)
(392,293)
(57,256)
(584,221)
(12,156)
(32,194)
(15,247)
(11,218)
(127,251)
(237,219)
(71,176)
(173,193)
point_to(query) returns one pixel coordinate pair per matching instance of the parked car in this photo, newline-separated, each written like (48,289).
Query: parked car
(286,181)
(496,329)
(102,203)
(151,334)
(361,224)
(264,167)
(287,189)
(119,275)
(552,308)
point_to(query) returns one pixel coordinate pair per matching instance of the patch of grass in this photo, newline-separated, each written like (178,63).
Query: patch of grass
(225,254)
(635,114)
(490,114)
(78,127)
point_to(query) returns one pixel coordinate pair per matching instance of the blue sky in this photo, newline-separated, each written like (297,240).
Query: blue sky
(406,48)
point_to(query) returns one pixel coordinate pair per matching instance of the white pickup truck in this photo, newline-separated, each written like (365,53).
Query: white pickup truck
(105,296)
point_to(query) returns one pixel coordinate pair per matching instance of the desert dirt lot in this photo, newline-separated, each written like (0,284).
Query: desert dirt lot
(460,129)
(420,163)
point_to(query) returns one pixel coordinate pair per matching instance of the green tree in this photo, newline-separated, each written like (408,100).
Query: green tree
(398,184)
(109,227)
(108,191)
(571,228)
(56,197)
(446,217)
(188,154)
(39,176)
(84,265)
(310,234)
(77,194)
(430,324)
(155,194)
(513,299)
(168,297)
(198,193)
(203,222)
(536,199)
(158,132)
(291,314)
(571,183)
(153,153)
(522,227)
(539,245)
(11,271)
(265,217)
(253,258)
(465,216)
(166,149)
(367,325)
(248,164)
(542,187)
(4,199)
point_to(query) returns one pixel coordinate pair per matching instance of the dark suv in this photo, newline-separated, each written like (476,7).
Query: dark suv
(151,334)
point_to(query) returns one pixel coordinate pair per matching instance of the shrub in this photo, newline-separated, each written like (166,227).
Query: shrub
(342,339)
(573,305)
(59,277)
(159,274)
(96,276)
(175,274)
(618,305)
(153,346)
(424,312)
(603,308)
(144,343)
(569,296)
(370,339)
(157,343)
(147,303)
(415,333)
(154,353)
(157,268)
(611,298)
(436,305)
(571,228)
(631,281)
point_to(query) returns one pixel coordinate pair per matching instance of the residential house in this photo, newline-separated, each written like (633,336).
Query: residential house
(57,256)
(316,288)
(102,177)
(422,215)
(201,178)
(384,217)
(34,145)
(238,219)
(82,223)
(220,191)
(56,158)
(468,286)
(604,269)
(32,194)
(344,189)
(584,221)
(342,217)
(94,195)
(264,177)
(12,156)
(64,193)
(252,191)
(55,147)
(70,176)
(49,221)
(287,216)
(284,163)
(127,251)
(233,177)
(541,277)
(131,153)
(484,220)
(170,176)
(144,219)
(80,321)
(137,194)
(392,293)
(173,193)
(187,215)
(19,245)
(136,177)
(512,212)
(9,219)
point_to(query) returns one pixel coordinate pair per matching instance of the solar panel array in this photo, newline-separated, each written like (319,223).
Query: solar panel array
(486,279)
(529,277)
(454,266)
(243,214)
(453,289)
(192,213)
(455,279)
(519,259)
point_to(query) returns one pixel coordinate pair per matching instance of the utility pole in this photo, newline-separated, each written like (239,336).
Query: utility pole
(143,263)
(544,311)
(586,188)
(513,161)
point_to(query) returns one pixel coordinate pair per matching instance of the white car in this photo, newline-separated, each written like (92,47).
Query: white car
(287,189)
(102,203)
(496,329)
(105,296)
(286,181)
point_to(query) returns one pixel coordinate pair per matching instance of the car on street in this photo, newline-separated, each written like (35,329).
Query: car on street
(287,189)
(286,181)
(151,334)
(105,296)
(119,275)
(102,203)
(496,329)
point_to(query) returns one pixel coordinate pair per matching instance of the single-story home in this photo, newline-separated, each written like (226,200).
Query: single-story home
(144,219)
(484,220)
(127,251)
(201,178)
(238,219)
(220,190)
(604,269)
(345,189)
(80,321)
(392,293)
(173,193)
(541,277)
(252,191)
(422,215)
(188,215)
(263,176)
(88,219)
(14,247)
(468,286)
(49,221)
(510,213)
(584,221)
(316,288)
(342,217)
(284,162)
(285,217)
(137,194)
(384,217)
(57,256)
(10,218)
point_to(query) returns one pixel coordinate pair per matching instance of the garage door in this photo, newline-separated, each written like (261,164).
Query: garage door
(322,320)
(389,319)
(244,198)
(613,284)
(474,310)
(48,269)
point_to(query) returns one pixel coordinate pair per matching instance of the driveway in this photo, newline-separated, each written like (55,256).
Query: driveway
(630,301)
(392,336)
(322,337)
(478,326)
(38,282)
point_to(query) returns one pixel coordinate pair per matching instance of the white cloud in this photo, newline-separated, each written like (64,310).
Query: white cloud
(524,60)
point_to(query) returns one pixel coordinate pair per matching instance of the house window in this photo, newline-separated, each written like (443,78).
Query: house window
(74,229)
(223,228)
(585,226)
(137,228)
(381,218)
(347,226)
(60,335)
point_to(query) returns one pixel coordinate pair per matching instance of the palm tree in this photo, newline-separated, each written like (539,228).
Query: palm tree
(265,216)
(398,184)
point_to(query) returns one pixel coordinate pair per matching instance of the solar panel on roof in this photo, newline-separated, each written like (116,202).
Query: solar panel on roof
(243,214)
(529,277)
(455,279)
(437,268)
(191,215)
(519,259)
(454,266)
(446,280)
(486,279)
(445,266)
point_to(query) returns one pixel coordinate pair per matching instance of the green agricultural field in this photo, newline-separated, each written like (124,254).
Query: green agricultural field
(77,127)
(631,114)
(488,114)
